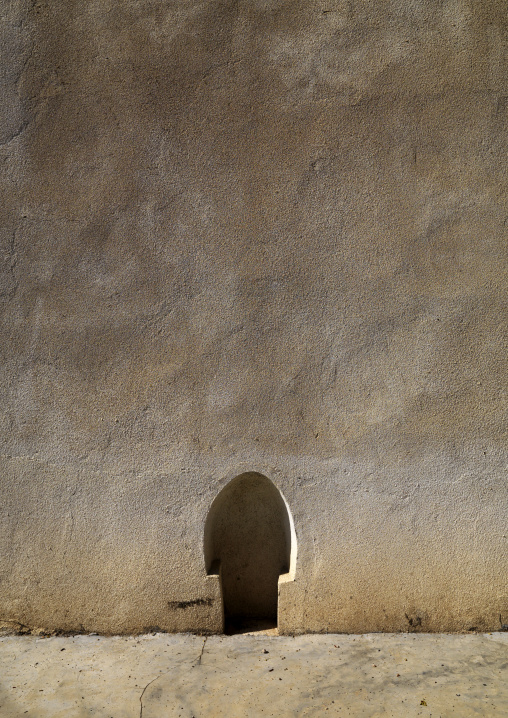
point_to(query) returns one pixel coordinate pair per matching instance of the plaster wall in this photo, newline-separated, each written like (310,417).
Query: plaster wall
(253,236)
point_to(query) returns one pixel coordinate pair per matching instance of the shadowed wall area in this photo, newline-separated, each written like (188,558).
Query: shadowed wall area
(248,531)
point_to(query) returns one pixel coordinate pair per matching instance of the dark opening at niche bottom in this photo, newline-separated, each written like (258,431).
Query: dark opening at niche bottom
(238,625)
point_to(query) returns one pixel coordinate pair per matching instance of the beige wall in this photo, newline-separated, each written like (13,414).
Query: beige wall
(253,237)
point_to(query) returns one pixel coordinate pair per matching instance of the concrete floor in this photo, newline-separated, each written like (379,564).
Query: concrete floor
(254,675)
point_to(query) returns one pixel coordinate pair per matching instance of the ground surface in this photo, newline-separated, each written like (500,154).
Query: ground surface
(254,675)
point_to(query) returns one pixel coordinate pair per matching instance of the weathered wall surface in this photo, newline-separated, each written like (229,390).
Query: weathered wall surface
(248,235)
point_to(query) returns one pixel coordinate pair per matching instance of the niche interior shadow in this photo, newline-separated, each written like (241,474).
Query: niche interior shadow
(248,536)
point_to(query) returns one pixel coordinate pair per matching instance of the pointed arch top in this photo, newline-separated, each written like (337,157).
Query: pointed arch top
(220,502)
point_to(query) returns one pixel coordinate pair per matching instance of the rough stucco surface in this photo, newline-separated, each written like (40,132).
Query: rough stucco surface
(254,236)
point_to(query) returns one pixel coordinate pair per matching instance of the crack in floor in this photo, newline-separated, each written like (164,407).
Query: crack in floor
(143,692)
(198,663)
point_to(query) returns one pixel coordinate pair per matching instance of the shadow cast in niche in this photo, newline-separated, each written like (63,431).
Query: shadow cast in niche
(250,545)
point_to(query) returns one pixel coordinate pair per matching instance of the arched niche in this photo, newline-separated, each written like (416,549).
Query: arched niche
(250,544)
